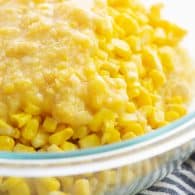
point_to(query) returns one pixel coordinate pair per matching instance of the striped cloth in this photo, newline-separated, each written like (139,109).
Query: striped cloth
(180,182)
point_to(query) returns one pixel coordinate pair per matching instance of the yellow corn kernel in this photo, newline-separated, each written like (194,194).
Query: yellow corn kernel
(174,100)
(82,187)
(108,126)
(3,111)
(155,12)
(7,130)
(142,18)
(121,48)
(23,148)
(135,43)
(148,85)
(20,49)
(38,1)
(125,119)
(22,84)
(110,136)
(58,193)
(104,177)
(146,35)
(156,118)
(54,148)
(93,182)
(147,167)
(128,23)
(49,125)
(9,31)
(156,98)
(180,32)
(30,129)
(80,132)
(110,67)
(13,105)
(128,135)
(126,175)
(114,3)
(32,109)
(113,178)
(6,143)
(176,34)
(118,31)
(102,54)
(103,27)
(167,57)
(104,73)
(132,78)
(8,88)
(181,109)
(171,115)
(16,186)
(68,146)
(181,89)
(117,103)
(103,45)
(130,72)
(20,119)
(147,110)
(46,185)
(89,141)
(100,189)
(163,123)
(131,107)
(40,140)
(136,128)
(112,11)
(160,36)
(144,98)
(60,136)
(151,59)
(133,90)
(119,82)
(4,126)
(158,78)
(67,183)
(97,121)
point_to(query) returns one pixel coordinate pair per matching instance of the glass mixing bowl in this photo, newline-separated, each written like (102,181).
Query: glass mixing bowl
(119,169)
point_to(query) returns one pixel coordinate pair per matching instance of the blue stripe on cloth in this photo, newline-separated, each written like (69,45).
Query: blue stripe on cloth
(185,178)
(163,189)
(180,182)
(187,166)
(170,181)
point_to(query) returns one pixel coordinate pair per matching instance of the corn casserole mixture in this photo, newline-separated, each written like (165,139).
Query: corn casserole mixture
(74,77)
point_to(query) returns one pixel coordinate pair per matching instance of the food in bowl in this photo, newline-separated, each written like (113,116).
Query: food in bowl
(77,77)
(74,77)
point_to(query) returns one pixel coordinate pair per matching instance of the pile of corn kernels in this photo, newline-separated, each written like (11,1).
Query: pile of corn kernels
(74,77)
